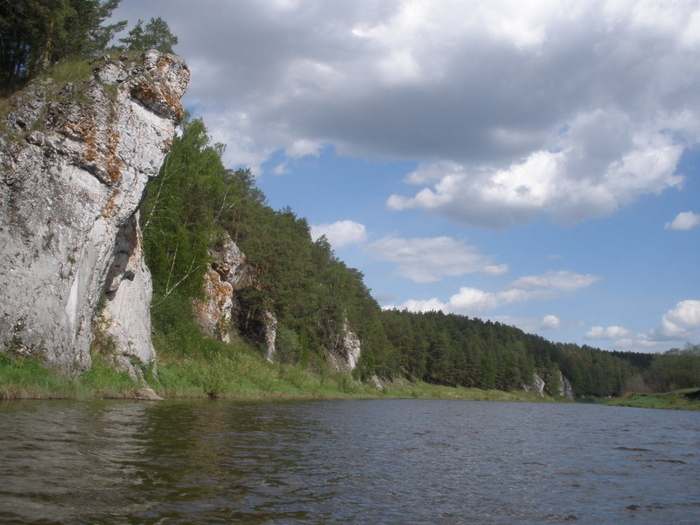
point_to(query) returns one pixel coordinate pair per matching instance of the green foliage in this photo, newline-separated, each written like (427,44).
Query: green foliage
(178,215)
(155,35)
(36,34)
(27,378)
(105,381)
(458,351)
(675,369)
(684,399)
(316,297)
(195,202)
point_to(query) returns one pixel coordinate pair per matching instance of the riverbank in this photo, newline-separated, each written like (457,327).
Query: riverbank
(233,376)
(687,399)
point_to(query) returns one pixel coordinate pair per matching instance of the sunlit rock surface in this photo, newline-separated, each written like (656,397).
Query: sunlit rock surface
(536,387)
(74,160)
(221,313)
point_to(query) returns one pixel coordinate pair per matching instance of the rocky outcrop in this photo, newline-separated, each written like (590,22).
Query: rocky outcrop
(222,313)
(565,388)
(346,354)
(536,386)
(74,160)
(228,274)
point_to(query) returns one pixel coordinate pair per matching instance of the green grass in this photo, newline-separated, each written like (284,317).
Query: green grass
(686,399)
(238,373)
(191,365)
(103,381)
(68,71)
(26,378)
(241,373)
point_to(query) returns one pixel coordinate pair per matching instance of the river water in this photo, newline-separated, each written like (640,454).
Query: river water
(359,461)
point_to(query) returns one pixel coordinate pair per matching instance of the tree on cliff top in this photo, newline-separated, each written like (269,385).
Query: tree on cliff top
(36,34)
(156,35)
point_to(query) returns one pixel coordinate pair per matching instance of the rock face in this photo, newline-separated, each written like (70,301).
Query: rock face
(346,354)
(74,160)
(536,387)
(565,388)
(228,274)
(221,313)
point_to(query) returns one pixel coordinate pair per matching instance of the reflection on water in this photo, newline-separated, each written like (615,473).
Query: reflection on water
(378,461)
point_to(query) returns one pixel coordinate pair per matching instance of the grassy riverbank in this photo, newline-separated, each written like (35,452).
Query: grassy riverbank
(240,375)
(687,399)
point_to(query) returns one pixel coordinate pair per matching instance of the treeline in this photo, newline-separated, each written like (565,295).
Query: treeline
(456,350)
(37,34)
(674,369)
(196,202)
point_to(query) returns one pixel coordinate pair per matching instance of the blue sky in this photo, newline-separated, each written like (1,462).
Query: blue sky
(534,163)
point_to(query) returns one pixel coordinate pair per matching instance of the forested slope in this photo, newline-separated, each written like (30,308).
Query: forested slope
(196,202)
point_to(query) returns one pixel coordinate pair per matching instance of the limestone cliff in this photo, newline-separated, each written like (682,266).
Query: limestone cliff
(538,386)
(74,160)
(346,351)
(222,313)
(565,388)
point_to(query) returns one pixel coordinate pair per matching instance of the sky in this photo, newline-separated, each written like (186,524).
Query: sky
(535,163)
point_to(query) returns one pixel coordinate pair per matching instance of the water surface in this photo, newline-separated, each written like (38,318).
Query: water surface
(358,461)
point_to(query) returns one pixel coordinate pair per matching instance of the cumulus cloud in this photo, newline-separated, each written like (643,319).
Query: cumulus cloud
(550,322)
(340,233)
(611,333)
(562,183)
(684,221)
(431,259)
(472,301)
(519,107)
(678,322)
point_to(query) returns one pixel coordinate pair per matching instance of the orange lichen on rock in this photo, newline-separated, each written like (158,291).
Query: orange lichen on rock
(162,101)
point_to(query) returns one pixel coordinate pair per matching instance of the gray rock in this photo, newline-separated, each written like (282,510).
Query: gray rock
(147,394)
(73,167)
(218,313)
(346,353)
(536,386)
(565,388)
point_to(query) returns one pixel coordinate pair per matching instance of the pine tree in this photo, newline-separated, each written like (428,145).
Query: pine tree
(155,35)
(36,34)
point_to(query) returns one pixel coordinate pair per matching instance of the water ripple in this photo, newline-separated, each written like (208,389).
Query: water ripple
(377,461)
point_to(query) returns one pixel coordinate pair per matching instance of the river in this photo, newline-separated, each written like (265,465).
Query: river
(358,461)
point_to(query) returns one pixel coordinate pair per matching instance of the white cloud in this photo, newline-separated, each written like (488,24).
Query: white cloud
(340,233)
(678,322)
(519,107)
(684,221)
(431,259)
(550,322)
(471,301)
(582,180)
(280,169)
(303,148)
(549,282)
(611,333)
(495,270)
